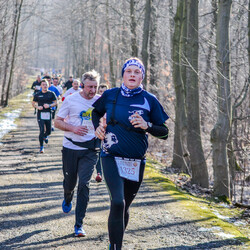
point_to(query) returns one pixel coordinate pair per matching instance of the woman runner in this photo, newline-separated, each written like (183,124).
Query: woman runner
(131,113)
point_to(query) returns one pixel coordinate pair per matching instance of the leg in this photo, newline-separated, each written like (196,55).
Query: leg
(70,161)
(48,128)
(115,186)
(98,165)
(41,127)
(130,190)
(86,167)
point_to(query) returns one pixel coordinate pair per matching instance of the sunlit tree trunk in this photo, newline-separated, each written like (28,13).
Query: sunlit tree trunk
(179,153)
(220,132)
(146,27)
(134,46)
(197,159)
(111,60)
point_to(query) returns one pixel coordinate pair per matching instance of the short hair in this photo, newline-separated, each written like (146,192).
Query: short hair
(103,85)
(56,78)
(47,77)
(44,80)
(76,80)
(92,76)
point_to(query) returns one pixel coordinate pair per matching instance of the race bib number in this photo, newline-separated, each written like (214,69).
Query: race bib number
(37,87)
(45,115)
(128,168)
(89,125)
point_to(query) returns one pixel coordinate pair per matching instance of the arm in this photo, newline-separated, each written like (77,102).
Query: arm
(35,105)
(64,126)
(159,131)
(54,103)
(100,128)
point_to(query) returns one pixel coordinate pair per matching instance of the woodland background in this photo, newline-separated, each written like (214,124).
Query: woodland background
(197,59)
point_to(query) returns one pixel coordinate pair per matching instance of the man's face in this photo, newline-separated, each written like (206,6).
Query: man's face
(75,85)
(44,86)
(71,79)
(89,90)
(38,78)
(55,82)
(102,90)
(49,81)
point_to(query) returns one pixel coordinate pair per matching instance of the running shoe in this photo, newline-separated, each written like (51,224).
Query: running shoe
(79,231)
(98,178)
(46,139)
(41,150)
(66,207)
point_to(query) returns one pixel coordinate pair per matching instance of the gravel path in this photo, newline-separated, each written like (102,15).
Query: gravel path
(30,205)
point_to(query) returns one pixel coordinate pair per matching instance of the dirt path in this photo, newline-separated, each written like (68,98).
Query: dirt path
(30,204)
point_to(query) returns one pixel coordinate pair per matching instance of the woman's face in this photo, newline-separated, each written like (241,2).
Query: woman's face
(132,77)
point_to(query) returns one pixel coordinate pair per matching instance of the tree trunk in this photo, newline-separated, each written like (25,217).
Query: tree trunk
(220,132)
(153,47)
(197,159)
(111,60)
(146,27)
(134,46)
(179,154)
(16,24)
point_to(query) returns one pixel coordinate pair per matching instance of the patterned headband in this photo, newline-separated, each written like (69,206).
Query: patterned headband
(136,63)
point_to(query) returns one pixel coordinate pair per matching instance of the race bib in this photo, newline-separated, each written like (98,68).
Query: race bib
(45,115)
(37,87)
(89,125)
(128,168)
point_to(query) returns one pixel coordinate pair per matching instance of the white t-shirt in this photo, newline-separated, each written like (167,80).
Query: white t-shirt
(59,88)
(76,110)
(71,91)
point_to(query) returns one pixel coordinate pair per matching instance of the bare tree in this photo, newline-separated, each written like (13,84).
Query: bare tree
(220,132)
(197,159)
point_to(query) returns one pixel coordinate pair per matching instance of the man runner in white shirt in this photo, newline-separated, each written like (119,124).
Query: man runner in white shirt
(80,146)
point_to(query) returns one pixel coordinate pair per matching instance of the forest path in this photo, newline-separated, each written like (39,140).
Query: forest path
(31,194)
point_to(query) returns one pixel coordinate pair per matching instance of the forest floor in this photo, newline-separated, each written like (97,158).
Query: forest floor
(161,217)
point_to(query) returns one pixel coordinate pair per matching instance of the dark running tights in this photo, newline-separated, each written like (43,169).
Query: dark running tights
(122,192)
(44,132)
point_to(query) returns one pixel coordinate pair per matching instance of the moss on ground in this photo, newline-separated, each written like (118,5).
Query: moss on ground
(205,212)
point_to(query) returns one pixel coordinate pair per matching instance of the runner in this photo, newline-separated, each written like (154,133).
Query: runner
(56,84)
(131,113)
(101,89)
(75,88)
(44,100)
(57,93)
(68,84)
(36,86)
(79,146)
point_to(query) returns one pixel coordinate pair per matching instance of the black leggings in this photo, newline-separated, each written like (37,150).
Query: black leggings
(122,192)
(44,132)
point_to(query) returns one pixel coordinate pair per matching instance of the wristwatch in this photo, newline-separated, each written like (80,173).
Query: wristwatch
(50,105)
(149,125)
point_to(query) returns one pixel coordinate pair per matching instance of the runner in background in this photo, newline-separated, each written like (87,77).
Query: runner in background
(101,89)
(80,147)
(67,85)
(131,113)
(36,86)
(75,88)
(57,93)
(43,101)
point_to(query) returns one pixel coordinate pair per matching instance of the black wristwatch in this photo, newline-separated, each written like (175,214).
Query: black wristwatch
(149,126)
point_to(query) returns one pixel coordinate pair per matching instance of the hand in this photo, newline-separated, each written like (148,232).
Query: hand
(138,122)
(80,130)
(100,132)
(40,107)
(46,105)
